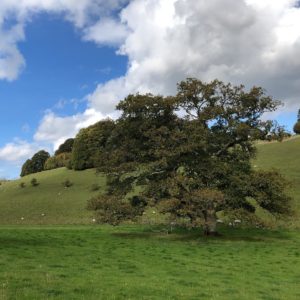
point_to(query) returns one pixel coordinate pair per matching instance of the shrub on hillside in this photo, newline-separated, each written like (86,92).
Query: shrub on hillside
(34,182)
(22,185)
(95,187)
(67,183)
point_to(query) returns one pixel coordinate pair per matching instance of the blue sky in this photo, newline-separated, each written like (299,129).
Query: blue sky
(65,64)
(59,67)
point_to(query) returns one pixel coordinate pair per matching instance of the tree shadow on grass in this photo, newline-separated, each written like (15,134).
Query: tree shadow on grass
(23,242)
(226,234)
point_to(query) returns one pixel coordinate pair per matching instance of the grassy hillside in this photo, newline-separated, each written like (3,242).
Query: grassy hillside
(59,205)
(68,206)
(285,158)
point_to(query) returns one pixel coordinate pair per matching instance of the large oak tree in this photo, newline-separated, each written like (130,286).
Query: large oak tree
(190,154)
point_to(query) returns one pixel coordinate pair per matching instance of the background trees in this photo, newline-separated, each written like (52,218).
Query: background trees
(35,164)
(65,147)
(58,161)
(89,142)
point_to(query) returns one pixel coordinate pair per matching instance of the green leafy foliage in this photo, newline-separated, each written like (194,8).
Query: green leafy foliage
(268,189)
(112,210)
(195,163)
(35,164)
(58,161)
(90,143)
(66,147)
(95,187)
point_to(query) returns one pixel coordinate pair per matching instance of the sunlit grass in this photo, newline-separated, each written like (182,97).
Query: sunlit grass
(134,262)
(50,202)
(285,158)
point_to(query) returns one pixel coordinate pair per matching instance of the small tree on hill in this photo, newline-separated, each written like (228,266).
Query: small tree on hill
(22,185)
(191,164)
(67,183)
(34,182)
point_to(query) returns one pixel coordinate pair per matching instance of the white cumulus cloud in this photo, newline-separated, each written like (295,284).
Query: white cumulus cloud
(17,151)
(255,42)
(55,129)
(106,32)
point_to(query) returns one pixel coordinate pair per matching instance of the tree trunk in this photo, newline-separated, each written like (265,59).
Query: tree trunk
(210,226)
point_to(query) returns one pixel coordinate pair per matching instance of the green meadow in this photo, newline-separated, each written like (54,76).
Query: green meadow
(138,262)
(50,248)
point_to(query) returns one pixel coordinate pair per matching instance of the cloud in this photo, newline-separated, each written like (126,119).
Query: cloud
(252,42)
(52,132)
(106,32)
(11,60)
(255,42)
(17,151)
(55,129)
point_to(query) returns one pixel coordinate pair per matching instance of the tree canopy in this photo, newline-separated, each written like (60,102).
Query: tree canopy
(65,147)
(190,154)
(89,142)
(35,164)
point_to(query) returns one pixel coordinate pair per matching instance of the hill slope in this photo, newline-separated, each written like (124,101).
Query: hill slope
(285,158)
(68,205)
(59,205)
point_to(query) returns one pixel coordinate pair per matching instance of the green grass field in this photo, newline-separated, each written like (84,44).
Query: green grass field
(135,262)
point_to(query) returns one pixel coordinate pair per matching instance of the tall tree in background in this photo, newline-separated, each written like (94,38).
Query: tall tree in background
(89,142)
(65,147)
(35,164)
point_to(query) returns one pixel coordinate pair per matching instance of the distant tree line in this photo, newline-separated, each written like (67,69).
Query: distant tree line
(189,154)
(35,164)
(42,160)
